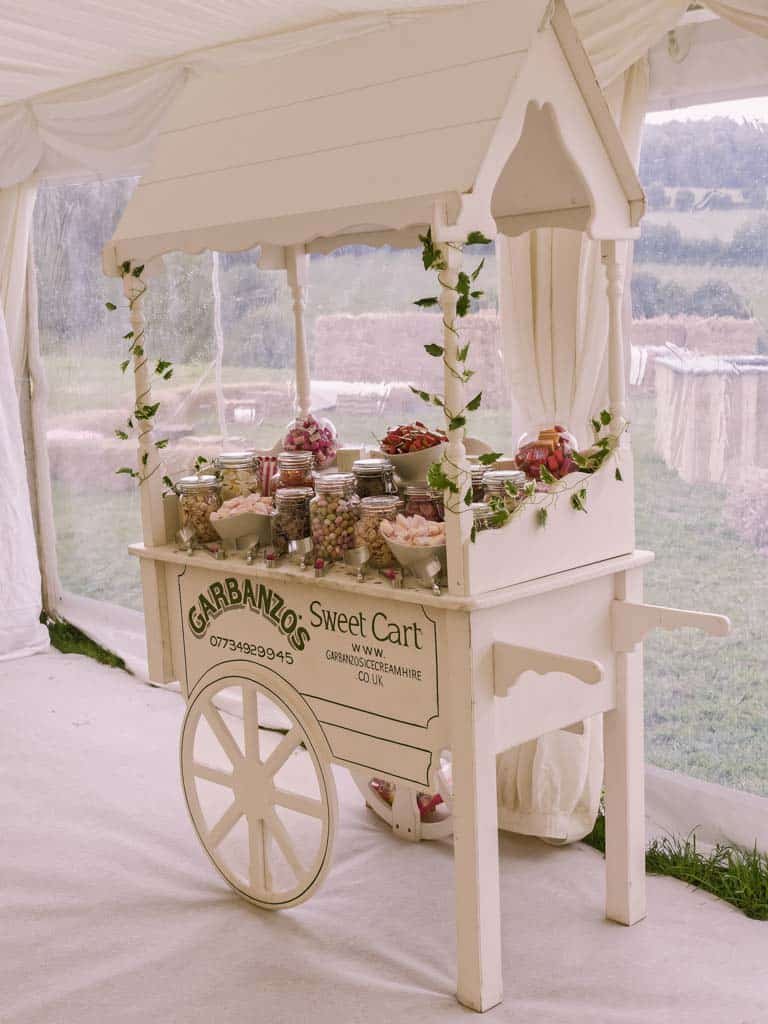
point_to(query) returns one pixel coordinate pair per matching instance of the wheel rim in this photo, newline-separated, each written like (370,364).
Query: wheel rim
(261,801)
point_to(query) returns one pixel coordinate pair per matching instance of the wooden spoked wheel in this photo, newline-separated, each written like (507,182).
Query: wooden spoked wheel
(262,800)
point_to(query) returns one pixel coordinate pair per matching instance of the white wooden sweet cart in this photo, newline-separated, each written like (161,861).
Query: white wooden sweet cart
(487,118)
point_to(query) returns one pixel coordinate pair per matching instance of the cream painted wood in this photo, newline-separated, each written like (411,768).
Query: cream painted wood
(475,822)
(458,518)
(403,815)
(297,266)
(623,730)
(253,793)
(632,621)
(617,374)
(510,661)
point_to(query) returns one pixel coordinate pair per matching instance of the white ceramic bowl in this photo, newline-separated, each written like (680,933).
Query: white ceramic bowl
(413,467)
(417,558)
(244,524)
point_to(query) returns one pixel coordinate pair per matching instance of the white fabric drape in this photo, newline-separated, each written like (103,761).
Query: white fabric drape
(106,127)
(751,15)
(20,630)
(554,319)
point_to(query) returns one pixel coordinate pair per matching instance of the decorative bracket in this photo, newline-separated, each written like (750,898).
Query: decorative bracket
(631,622)
(510,661)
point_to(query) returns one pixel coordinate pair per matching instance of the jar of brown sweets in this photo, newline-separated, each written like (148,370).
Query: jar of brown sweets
(374,477)
(421,500)
(294,469)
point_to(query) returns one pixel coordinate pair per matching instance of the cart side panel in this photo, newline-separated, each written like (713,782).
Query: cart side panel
(573,621)
(524,550)
(368,670)
(173,640)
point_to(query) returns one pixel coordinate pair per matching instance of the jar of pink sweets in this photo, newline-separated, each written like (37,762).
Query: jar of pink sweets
(310,434)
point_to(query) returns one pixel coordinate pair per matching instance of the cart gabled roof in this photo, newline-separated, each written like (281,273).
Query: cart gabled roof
(492,109)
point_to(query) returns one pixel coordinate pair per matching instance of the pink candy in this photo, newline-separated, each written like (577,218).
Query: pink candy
(413,530)
(248,503)
(312,435)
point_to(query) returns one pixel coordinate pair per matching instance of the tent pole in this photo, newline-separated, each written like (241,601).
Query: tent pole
(297,266)
(616,363)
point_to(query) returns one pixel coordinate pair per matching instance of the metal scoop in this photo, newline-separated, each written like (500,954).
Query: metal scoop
(357,558)
(302,547)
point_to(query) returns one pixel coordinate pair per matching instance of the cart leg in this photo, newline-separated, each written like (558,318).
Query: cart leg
(625,780)
(476,843)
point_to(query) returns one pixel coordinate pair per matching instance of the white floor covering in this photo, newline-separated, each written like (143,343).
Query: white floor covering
(111,913)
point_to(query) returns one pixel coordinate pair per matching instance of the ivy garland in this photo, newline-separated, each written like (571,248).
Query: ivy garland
(588,461)
(434,259)
(142,412)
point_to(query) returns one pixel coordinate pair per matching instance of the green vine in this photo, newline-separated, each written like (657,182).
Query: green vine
(136,423)
(434,259)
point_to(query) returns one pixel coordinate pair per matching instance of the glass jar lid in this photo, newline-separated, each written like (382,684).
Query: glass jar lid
(334,483)
(422,490)
(379,506)
(482,513)
(371,467)
(202,482)
(495,480)
(294,460)
(477,472)
(293,495)
(237,460)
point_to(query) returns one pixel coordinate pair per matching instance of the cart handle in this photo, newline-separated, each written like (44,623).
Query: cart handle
(510,661)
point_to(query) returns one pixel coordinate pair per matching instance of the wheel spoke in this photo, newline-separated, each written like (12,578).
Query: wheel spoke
(299,803)
(258,869)
(224,825)
(222,734)
(205,771)
(251,722)
(279,831)
(283,751)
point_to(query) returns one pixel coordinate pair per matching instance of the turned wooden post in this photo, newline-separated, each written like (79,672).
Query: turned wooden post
(297,266)
(616,362)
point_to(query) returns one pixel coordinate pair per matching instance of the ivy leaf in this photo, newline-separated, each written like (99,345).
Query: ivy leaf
(121,435)
(168,375)
(110,306)
(605,417)
(437,400)
(474,404)
(462,353)
(530,489)
(618,475)
(124,365)
(127,470)
(546,476)
(581,460)
(488,458)
(477,295)
(457,422)
(138,351)
(477,238)
(138,271)
(478,268)
(473,533)
(462,305)
(162,444)
(462,284)
(434,350)
(125,268)
(430,300)
(596,426)
(129,421)
(467,375)
(146,412)
(168,482)
(145,458)
(468,496)
(128,336)
(161,366)
(541,517)
(423,395)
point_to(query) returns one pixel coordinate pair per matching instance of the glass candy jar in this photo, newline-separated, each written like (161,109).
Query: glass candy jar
(372,512)
(240,474)
(374,477)
(334,512)
(482,516)
(421,500)
(294,469)
(495,483)
(477,472)
(198,497)
(291,519)
(547,446)
(316,436)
